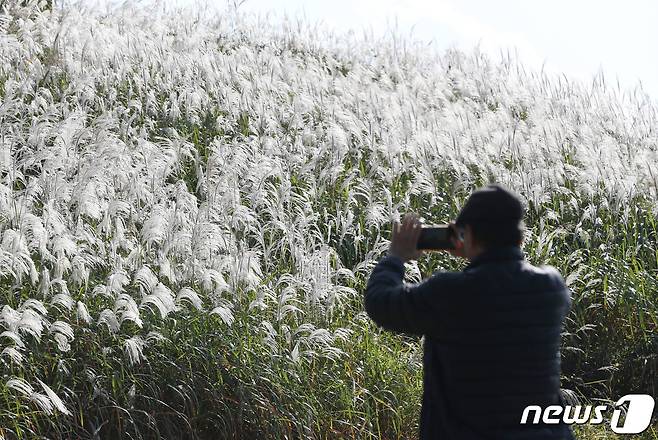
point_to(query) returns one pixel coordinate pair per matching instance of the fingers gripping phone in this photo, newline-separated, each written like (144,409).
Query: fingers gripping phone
(436,237)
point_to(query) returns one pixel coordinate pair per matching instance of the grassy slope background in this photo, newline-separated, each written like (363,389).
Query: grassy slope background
(190,206)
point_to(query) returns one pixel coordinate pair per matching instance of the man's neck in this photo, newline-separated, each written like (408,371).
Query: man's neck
(496,253)
(475,252)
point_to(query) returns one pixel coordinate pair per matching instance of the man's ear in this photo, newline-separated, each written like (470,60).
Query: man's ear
(468,230)
(475,244)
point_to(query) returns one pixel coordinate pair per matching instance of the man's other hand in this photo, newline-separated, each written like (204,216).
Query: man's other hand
(405,238)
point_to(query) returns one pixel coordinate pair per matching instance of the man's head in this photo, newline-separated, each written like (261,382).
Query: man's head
(491,217)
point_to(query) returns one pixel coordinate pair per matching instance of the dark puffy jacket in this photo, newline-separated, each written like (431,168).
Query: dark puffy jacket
(492,342)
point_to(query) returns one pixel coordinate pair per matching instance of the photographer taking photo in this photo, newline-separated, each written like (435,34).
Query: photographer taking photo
(491,332)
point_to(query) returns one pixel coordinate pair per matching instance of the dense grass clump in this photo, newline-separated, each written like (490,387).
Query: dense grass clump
(191,204)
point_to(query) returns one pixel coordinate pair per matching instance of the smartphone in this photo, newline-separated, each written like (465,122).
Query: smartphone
(435,237)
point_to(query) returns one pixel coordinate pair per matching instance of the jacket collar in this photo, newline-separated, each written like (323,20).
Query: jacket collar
(497,254)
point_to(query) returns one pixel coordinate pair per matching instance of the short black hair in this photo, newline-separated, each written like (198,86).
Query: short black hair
(495,215)
(493,203)
(497,234)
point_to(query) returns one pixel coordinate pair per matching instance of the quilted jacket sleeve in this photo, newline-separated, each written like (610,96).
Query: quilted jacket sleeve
(403,307)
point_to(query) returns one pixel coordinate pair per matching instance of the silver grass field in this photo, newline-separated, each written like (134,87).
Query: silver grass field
(191,203)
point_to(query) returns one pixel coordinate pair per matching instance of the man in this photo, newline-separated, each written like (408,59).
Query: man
(492,331)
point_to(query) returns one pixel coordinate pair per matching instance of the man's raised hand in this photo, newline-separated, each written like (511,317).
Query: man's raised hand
(405,238)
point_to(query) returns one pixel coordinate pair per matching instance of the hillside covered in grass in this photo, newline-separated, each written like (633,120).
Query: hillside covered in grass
(191,204)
